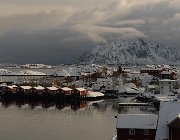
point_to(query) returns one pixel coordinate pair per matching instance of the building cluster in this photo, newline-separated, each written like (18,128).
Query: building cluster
(43,91)
(109,79)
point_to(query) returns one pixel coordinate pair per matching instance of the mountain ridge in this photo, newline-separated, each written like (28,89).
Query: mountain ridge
(131,52)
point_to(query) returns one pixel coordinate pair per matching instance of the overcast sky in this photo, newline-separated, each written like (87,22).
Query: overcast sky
(58,31)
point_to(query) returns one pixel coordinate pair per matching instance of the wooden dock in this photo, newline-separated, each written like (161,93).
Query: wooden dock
(134,104)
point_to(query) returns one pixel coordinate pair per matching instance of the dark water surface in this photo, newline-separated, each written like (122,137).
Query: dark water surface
(39,120)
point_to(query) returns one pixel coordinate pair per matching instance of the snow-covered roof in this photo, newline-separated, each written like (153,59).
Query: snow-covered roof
(6,72)
(66,89)
(30,72)
(3,85)
(132,90)
(151,86)
(39,88)
(166,97)
(138,121)
(94,94)
(130,85)
(152,68)
(168,112)
(26,87)
(167,80)
(52,88)
(81,89)
(11,87)
(166,72)
(135,72)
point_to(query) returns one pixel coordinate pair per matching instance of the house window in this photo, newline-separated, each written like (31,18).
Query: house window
(146,132)
(131,131)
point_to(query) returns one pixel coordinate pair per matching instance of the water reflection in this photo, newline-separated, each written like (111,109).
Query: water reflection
(74,105)
(60,119)
(58,104)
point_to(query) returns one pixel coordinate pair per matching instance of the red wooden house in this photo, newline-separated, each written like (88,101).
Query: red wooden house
(10,89)
(52,90)
(136,126)
(39,90)
(167,75)
(25,90)
(152,71)
(67,91)
(80,92)
(174,129)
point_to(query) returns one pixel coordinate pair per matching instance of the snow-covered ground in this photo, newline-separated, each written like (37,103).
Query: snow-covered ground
(30,72)
(94,94)
(6,72)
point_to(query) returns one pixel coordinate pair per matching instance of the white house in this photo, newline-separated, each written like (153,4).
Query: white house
(167,85)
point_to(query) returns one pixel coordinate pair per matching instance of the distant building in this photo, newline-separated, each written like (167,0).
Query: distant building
(167,75)
(167,85)
(152,71)
(136,126)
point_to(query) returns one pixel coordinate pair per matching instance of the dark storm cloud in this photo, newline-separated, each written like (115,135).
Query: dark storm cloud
(58,31)
(47,47)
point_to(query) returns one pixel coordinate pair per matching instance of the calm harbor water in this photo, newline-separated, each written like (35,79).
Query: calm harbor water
(50,120)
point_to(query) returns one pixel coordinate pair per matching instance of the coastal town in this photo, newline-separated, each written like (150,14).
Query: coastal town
(157,86)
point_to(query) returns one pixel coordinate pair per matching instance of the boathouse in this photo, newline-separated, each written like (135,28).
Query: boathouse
(25,89)
(80,92)
(67,91)
(39,90)
(10,89)
(136,126)
(52,90)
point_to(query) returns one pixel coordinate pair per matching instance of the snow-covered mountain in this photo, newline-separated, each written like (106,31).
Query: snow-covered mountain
(132,52)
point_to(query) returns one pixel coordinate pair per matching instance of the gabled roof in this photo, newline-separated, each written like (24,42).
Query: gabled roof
(66,89)
(137,121)
(26,87)
(168,112)
(81,89)
(39,88)
(11,87)
(52,88)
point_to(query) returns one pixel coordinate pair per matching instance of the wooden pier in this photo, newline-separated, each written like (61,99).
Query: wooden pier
(134,104)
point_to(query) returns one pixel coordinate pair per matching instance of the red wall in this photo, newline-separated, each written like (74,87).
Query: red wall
(123,134)
(174,134)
